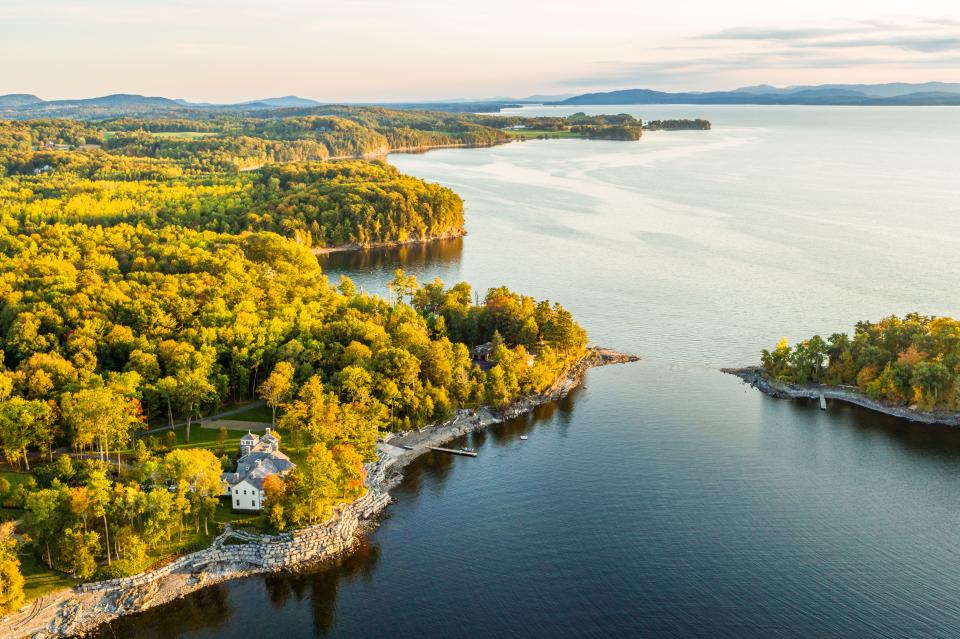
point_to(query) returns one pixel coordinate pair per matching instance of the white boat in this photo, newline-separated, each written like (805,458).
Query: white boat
(523,437)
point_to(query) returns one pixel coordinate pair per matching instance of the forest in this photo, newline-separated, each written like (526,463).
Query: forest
(143,289)
(907,361)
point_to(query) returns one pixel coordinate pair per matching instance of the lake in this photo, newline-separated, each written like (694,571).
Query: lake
(664,498)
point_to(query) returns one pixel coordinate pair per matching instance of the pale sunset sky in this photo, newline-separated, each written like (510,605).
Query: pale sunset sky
(388,50)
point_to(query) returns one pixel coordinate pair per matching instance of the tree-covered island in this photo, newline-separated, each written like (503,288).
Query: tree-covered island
(908,366)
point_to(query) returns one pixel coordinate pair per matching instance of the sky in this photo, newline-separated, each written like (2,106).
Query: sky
(396,50)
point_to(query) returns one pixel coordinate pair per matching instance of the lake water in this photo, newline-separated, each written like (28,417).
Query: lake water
(664,498)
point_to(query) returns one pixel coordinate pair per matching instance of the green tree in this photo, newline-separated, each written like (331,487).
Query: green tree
(194,390)
(23,423)
(276,389)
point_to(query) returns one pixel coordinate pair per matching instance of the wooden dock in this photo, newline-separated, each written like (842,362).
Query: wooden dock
(453,451)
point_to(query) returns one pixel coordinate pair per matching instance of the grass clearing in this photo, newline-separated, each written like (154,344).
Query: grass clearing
(38,579)
(259,413)
(15,478)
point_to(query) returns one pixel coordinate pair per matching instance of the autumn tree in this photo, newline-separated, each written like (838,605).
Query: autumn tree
(11,579)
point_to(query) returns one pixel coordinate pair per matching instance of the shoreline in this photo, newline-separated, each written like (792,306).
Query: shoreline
(236,553)
(355,248)
(754,376)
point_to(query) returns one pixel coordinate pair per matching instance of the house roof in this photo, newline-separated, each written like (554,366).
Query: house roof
(270,438)
(257,466)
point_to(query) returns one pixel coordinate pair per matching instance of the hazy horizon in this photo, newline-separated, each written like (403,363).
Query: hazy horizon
(377,51)
(471,98)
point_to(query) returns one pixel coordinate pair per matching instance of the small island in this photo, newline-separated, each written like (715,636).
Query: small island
(907,367)
(622,127)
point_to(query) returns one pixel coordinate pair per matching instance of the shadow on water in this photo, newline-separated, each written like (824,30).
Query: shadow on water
(442,253)
(213,608)
(433,469)
(207,609)
(925,442)
(219,610)
(213,611)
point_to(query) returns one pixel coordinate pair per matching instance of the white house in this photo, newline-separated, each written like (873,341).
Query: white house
(260,457)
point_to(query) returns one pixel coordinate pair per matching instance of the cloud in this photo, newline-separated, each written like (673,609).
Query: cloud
(925,44)
(775,52)
(925,35)
(693,71)
(752,33)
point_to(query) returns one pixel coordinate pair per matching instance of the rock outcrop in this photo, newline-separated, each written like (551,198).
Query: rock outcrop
(755,376)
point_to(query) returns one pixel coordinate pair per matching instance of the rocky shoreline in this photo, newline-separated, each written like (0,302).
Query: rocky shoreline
(755,377)
(237,553)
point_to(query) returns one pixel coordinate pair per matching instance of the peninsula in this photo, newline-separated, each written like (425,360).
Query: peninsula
(906,367)
(238,552)
(157,271)
(267,171)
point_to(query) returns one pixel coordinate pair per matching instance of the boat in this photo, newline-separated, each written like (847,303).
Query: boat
(468,450)
(405,447)
(523,437)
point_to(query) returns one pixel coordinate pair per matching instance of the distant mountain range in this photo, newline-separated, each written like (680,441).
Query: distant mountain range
(23,105)
(897,93)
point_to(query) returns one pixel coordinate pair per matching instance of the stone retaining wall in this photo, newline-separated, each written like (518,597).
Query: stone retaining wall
(264,553)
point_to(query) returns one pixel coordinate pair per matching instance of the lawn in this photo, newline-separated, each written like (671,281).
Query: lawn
(258,413)
(38,579)
(199,438)
(14,477)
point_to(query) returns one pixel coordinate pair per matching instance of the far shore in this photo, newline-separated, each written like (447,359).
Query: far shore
(81,610)
(755,376)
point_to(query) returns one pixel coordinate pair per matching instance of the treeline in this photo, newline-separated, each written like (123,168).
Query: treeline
(98,323)
(626,133)
(678,125)
(914,360)
(318,204)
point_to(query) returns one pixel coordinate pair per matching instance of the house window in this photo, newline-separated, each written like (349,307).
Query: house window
(236,503)
(244,491)
(253,503)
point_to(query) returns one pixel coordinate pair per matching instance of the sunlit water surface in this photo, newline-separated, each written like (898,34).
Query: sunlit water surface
(665,498)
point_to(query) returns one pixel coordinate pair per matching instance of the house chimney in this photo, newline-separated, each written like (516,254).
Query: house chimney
(268,430)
